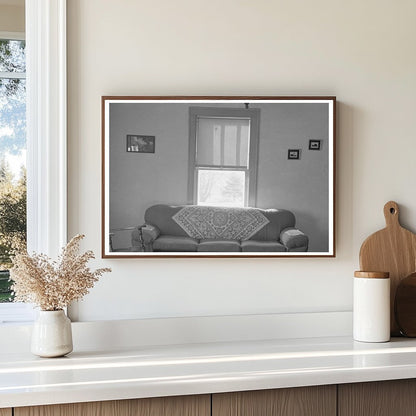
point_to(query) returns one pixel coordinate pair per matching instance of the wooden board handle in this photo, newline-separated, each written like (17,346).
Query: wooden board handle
(391,214)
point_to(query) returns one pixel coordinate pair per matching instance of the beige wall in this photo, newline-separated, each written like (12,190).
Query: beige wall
(360,51)
(12,18)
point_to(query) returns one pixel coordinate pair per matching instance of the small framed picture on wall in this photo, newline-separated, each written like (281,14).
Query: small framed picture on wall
(314,145)
(140,144)
(293,154)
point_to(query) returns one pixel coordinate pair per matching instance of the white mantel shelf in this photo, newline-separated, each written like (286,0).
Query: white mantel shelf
(148,371)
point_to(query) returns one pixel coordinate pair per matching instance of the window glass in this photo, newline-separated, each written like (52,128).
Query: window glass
(222,142)
(12,55)
(12,156)
(221,187)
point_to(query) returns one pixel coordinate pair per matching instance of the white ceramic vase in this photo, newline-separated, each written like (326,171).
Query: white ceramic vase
(52,334)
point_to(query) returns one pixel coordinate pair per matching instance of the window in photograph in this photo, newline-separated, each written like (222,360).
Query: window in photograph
(222,161)
(222,187)
(224,157)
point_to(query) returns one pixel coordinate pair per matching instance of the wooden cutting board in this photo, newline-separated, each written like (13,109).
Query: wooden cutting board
(393,250)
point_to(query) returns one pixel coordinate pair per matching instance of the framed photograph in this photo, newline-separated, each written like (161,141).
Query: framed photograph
(314,145)
(293,154)
(220,183)
(140,144)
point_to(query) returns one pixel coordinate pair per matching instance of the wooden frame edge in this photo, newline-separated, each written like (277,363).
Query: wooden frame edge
(105,98)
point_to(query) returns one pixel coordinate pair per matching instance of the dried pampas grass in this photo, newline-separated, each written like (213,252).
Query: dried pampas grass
(53,285)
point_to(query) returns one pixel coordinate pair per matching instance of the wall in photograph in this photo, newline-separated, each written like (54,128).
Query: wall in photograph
(133,184)
(298,185)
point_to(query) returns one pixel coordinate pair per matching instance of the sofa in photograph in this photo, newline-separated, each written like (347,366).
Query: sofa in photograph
(191,228)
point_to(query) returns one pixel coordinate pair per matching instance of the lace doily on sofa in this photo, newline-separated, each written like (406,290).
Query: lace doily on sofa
(220,222)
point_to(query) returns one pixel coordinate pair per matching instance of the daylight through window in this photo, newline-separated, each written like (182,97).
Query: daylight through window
(12,156)
(222,161)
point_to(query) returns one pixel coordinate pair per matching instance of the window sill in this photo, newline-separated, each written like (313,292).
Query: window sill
(16,313)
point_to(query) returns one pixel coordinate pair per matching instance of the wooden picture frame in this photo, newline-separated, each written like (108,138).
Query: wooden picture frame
(219,181)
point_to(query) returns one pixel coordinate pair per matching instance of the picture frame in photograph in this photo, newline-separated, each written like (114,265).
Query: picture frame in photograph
(219,184)
(293,154)
(136,143)
(314,145)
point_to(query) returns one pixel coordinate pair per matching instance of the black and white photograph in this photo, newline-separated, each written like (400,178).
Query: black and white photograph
(314,145)
(140,144)
(221,183)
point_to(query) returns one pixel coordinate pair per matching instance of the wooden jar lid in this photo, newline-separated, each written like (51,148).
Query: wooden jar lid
(372,275)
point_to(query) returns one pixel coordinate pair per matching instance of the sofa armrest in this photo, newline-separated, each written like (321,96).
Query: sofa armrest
(150,233)
(294,239)
(142,237)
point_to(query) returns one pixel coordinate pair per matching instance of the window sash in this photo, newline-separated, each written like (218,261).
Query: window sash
(253,115)
(222,141)
(12,75)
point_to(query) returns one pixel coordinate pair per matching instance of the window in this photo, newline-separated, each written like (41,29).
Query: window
(12,155)
(223,156)
(46,136)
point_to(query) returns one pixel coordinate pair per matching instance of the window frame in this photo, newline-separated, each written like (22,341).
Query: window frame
(253,114)
(46,118)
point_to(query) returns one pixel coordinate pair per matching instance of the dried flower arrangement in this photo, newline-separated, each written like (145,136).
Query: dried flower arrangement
(52,285)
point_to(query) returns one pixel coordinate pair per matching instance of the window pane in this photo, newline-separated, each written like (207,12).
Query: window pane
(222,141)
(12,175)
(12,56)
(221,187)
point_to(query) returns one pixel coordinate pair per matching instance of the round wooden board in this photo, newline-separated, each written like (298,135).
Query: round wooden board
(393,250)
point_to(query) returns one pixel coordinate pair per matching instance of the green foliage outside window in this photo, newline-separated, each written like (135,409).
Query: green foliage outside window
(12,151)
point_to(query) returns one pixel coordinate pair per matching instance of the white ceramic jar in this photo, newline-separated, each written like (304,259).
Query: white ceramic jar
(371,307)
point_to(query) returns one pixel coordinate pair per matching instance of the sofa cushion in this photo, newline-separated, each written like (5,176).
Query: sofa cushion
(262,246)
(174,243)
(212,245)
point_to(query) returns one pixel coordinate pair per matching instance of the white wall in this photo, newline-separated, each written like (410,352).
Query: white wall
(360,51)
